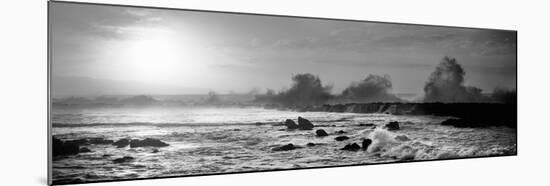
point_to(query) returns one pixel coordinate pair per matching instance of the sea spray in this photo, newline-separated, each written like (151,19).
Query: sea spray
(380,139)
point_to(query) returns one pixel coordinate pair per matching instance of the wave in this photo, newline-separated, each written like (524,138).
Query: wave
(400,146)
(380,138)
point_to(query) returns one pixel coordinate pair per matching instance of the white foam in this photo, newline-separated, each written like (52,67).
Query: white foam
(381,138)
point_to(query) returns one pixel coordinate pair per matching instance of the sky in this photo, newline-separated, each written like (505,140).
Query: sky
(100,49)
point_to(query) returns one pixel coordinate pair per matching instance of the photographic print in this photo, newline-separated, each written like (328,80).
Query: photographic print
(139,92)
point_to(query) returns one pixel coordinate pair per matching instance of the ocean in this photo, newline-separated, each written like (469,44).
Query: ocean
(209,140)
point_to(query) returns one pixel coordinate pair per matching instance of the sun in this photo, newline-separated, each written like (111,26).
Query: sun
(155,57)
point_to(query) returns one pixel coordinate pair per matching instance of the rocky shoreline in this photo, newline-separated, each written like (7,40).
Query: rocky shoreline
(467,114)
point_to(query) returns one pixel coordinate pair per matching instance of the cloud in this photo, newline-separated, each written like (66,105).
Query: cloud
(76,20)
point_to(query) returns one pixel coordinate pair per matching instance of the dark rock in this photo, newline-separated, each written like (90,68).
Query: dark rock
(84,150)
(366,125)
(155,151)
(286,147)
(78,141)
(351,147)
(122,143)
(366,143)
(341,132)
(123,159)
(394,125)
(304,124)
(60,148)
(310,144)
(341,138)
(402,138)
(147,142)
(290,124)
(476,114)
(460,123)
(100,141)
(477,123)
(321,133)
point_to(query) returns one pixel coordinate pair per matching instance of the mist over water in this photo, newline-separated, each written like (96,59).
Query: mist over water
(373,88)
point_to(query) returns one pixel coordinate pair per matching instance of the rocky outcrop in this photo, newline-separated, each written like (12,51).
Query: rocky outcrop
(147,142)
(290,124)
(394,125)
(84,150)
(122,143)
(470,122)
(310,144)
(482,114)
(351,147)
(341,132)
(123,159)
(286,147)
(99,141)
(60,148)
(304,124)
(341,138)
(402,138)
(321,133)
(78,141)
(367,124)
(366,143)
(466,123)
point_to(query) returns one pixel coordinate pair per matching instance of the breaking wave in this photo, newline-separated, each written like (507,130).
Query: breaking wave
(400,146)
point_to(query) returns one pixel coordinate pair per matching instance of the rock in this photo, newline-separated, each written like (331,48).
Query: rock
(473,122)
(155,151)
(78,141)
(367,124)
(310,144)
(394,125)
(321,133)
(147,142)
(290,124)
(122,143)
(60,148)
(123,159)
(341,138)
(304,124)
(460,123)
(100,141)
(366,143)
(341,132)
(402,138)
(84,150)
(351,147)
(286,147)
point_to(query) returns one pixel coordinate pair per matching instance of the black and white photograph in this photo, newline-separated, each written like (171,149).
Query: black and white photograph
(139,92)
